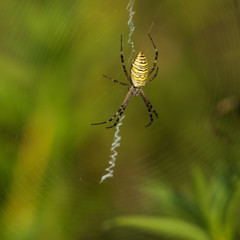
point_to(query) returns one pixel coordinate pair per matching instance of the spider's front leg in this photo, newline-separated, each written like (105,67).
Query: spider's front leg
(120,110)
(149,107)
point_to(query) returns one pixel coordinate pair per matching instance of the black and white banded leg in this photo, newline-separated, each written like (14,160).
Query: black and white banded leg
(120,110)
(116,81)
(149,107)
(156,56)
(153,76)
(123,64)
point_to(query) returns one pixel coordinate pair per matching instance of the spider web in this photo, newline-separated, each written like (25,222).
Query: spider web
(115,144)
(53,56)
(117,138)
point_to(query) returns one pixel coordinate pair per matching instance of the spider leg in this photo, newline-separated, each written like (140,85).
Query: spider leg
(123,107)
(118,118)
(149,107)
(123,64)
(117,113)
(153,76)
(120,110)
(151,117)
(156,56)
(116,81)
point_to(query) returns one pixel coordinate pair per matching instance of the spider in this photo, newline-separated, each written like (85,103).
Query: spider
(138,78)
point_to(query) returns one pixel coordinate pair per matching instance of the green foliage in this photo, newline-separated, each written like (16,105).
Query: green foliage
(208,211)
(162,226)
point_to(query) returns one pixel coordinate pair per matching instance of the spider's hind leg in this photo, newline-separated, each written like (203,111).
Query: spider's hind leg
(156,56)
(123,64)
(153,76)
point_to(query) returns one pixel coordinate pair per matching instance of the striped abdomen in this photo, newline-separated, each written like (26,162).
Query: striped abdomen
(139,70)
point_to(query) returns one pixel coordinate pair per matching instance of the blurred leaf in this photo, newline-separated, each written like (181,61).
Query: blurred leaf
(201,193)
(172,201)
(232,216)
(160,226)
(213,205)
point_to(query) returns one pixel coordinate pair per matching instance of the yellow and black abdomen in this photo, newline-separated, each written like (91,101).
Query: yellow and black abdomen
(139,70)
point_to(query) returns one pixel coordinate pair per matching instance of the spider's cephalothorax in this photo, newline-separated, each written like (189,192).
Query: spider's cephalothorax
(138,78)
(135,90)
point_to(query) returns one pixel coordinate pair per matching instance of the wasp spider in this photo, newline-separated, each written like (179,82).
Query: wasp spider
(138,78)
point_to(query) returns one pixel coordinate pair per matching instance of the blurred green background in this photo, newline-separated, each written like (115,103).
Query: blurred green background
(177,179)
